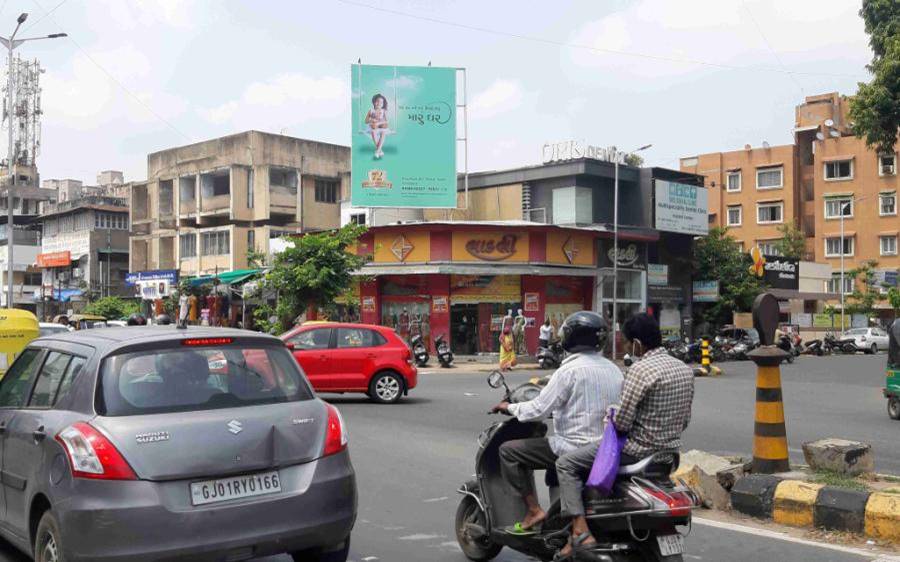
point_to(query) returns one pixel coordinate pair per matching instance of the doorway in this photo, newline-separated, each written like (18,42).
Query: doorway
(464,325)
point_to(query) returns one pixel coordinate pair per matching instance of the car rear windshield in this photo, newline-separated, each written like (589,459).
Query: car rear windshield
(857,332)
(203,378)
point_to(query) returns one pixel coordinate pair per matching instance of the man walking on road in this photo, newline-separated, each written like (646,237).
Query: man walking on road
(655,410)
(577,396)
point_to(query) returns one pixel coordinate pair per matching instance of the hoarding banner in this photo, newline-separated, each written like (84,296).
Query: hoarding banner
(657,274)
(54,259)
(681,208)
(169,275)
(706,291)
(403,136)
(782,273)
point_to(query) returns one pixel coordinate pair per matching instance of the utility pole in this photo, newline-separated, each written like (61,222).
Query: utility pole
(11,45)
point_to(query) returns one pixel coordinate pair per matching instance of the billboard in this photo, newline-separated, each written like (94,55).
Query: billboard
(781,272)
(706,291)
(403,147)
(54,259)
(681,208)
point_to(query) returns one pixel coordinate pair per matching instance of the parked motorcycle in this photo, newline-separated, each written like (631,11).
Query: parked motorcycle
(637,522)
(550,357)
(786,344)
(420,352)
(816,347)
(444,354)
(677,348)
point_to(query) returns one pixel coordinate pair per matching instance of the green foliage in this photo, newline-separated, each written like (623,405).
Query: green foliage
(866,293)
(893,298)
(838,480)
(256,259)
(113,308)
(718,256)
(634,160)
(792,243)
(875,110)
(313,271)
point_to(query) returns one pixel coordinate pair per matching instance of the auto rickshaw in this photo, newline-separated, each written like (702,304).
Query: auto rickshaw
(87,321)
(892,382)
(17,329)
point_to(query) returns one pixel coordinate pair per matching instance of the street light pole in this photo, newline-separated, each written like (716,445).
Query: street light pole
(11,45)
(843,206)
(616,243)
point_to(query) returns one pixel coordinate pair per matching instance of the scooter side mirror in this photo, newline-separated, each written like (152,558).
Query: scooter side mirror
(496,379)
(627,360)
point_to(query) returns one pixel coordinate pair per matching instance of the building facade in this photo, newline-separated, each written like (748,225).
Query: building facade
(826,175)
(204,206)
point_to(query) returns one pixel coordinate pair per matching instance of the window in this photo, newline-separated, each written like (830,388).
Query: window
(48,381)
(215,243)
(166,206)
(284,177)
(312,339)
(888,245)
(14,386)
(250,188)
(768,247)
(326,191)
(187,188)
(733,182)
(109,221)
(887,164)
(187,245)
(769,212)
(33,278)
(833,246)
(835,206)
(358,337)
(358,218)
(887,204)
(734,216)
(769,178)
(833,286)
(839,170)
(251,240)
(275,233)
(71,374)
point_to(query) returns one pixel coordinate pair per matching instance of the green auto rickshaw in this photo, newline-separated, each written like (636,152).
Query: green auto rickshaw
(892,382)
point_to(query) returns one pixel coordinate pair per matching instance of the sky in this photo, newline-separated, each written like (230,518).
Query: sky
(687,76)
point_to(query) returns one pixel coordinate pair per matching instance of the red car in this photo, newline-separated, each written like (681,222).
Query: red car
(354,358)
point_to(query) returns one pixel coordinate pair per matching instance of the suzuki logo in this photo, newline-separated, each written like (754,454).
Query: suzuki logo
(235,427)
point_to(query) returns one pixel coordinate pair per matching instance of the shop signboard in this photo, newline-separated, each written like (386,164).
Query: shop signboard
(490,246)
(802,319)
(403,133)
(532,302)
(77,244)
(485,288)
(657,274)
(439,303)
(368,304)
(54,259)
(681,208)
(886,277)
(781,273)
(151,290)
(706,291)
(828,321)
(859,321)
(660,294)
(170,275)
(632,255)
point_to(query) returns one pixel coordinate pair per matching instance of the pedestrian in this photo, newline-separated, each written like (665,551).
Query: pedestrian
(545,335)
(507,350)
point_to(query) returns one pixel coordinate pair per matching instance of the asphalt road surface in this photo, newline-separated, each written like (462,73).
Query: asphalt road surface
(411,457)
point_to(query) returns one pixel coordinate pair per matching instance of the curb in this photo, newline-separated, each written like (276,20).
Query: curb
(803,504)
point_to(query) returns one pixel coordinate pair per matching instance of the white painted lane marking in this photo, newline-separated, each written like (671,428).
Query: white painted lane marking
(419,537)
(787,538)
(432,500)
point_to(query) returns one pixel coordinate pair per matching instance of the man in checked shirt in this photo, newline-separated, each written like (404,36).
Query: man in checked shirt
(655,409)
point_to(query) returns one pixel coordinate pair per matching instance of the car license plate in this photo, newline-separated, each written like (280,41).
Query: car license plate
(670,545)
(224,489)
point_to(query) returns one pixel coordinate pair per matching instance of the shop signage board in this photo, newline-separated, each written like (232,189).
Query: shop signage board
(576,149)
(54,259)
(403,147)
(802,319)
(782,273)
(439,303)
(657,274)
(706,291)
(859,321)
(632,255)
(485,288)
(532,302)
(887,277)
(170,275)
(76,243)
(681,208)
(661,294)
(368,304)
(822,320)
(490,247)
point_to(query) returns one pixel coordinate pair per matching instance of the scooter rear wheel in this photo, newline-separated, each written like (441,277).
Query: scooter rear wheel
(478,549)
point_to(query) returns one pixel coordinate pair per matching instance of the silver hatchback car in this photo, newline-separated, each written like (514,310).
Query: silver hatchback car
(158,443)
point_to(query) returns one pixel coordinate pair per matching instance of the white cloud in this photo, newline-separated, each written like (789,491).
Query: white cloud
(499,97)
(147,13)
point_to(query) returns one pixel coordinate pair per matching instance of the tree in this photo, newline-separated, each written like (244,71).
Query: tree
(718,256)
(792,243)
(875,110)
(113,308)
(893,298)
(311,272)
(866,293)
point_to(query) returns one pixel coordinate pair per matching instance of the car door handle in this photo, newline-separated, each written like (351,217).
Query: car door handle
(38,434)
(2,428)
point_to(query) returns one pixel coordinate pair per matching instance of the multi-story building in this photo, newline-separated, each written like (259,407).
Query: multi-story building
(826,175)
(205,205)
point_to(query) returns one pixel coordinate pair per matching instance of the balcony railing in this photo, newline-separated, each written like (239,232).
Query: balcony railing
(85,201)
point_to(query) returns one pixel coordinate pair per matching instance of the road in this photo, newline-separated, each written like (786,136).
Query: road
(410,457)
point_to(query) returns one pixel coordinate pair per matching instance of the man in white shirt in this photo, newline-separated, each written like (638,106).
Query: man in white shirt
(545,334)
(577,396)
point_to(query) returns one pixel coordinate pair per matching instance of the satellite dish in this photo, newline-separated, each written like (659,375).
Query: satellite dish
(765,144)
(820,136)
(834,133)
(829,123)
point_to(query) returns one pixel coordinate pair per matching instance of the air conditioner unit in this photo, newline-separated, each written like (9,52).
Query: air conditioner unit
(887,169)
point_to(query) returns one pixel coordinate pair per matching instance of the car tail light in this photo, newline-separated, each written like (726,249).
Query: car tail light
(91,455)
(678,504)
(407,353)
(200,342)
(335,434)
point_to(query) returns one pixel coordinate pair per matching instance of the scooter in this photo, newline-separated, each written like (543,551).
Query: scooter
(444,355)
(550,357)
(636,522)
(816,347)
(420,352)
(786,344)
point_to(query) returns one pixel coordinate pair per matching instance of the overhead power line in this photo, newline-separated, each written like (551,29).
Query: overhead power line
(40,19)
(769,45)
(649,56)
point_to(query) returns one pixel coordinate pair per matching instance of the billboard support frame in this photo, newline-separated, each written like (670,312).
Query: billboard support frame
(465,138)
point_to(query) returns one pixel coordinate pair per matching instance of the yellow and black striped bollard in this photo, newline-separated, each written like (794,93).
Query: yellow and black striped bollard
(770,450)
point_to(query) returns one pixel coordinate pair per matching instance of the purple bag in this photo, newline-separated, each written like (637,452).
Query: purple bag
(606,462)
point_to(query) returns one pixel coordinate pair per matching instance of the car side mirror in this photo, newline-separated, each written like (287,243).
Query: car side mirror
(290,346)
(496,379)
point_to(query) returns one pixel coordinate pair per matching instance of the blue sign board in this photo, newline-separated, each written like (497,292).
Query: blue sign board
(170,275)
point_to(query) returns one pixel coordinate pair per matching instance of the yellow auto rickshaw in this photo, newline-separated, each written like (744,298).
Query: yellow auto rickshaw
(87,321)
(17,329)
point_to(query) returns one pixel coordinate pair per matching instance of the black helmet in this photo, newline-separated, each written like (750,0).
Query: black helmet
(163,319)
(584,331)
(137,320)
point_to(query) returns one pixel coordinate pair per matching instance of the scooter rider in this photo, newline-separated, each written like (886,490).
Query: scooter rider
(577,396)
(655,410)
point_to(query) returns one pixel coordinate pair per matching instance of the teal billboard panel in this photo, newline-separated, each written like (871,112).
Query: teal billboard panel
(404,136)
